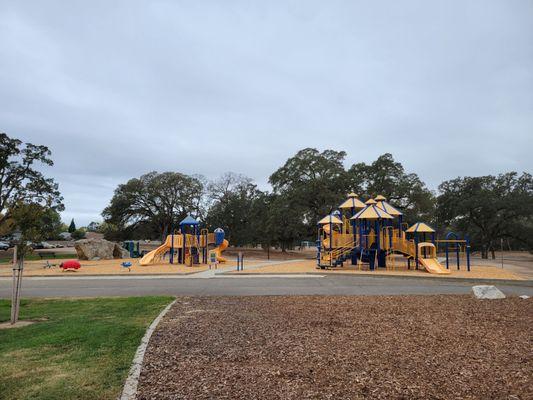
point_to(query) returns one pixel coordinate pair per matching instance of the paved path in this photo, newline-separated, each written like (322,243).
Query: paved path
(241,285)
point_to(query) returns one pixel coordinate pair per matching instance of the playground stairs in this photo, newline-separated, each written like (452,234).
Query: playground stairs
(338,255)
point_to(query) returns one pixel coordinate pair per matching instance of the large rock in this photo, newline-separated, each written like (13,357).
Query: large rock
(487,292)
(99,249)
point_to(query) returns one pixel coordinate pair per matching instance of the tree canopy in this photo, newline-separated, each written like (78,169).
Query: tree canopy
(155,201)
(489,208)
(29,201)
(308,186)
(21,183)
(387,177)
(238,208)
(72,226)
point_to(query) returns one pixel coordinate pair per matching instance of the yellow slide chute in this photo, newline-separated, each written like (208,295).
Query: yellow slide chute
(433,266)
(219,249)
(156,255)
(430,262)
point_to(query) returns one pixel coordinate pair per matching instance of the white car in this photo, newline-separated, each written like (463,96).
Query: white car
(4,246)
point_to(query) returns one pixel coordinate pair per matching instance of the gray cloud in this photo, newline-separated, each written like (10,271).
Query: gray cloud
(118,89)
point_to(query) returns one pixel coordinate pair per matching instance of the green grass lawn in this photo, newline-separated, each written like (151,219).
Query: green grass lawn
(32,257)
(82,349)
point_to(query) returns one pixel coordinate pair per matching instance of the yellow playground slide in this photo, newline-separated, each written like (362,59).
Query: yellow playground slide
(150,258)
(433,266)
(219,249)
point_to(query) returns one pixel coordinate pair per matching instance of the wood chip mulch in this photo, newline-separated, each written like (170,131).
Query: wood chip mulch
(310,347)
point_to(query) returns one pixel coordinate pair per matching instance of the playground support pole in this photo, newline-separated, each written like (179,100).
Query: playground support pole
(240,262)
(330,240)
(205,246)
(172,246)
(360,229)
(377,229)
(318,247)
(447,255)
(400,218)
(457,256)
(467,253)
(416,250)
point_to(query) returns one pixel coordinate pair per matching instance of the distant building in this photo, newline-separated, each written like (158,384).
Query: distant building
(93,226)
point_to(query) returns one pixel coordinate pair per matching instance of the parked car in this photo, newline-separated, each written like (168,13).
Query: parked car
(4,246)
(42,245)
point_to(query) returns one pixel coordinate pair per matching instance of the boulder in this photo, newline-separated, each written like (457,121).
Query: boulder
(120,252)
(488,292)
(99,249)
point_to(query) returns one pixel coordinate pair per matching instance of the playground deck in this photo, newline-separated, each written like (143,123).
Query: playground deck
(309,266)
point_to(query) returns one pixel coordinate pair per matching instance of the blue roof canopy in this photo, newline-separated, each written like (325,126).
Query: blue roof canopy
(188,220)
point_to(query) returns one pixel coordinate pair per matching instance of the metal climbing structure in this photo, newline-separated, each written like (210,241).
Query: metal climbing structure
(371,233)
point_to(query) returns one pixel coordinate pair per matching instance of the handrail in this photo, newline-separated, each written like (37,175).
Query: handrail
(338,252)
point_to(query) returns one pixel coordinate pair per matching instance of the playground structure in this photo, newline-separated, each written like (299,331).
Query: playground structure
(189,245)
(133,247)
(372,233)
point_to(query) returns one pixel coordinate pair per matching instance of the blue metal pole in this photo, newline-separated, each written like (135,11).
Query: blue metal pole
(184,244)
(447,255)
(330,235)
(416,250)
(376,228)
(318,246)
(467,253)
(457,254)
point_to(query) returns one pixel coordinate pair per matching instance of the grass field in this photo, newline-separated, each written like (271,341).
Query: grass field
(79,349)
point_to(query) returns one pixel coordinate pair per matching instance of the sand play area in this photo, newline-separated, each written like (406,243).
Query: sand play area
(114,267)
(309,266)
(102,267)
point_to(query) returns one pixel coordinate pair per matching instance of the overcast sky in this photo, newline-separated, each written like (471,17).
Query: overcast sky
(120,88)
